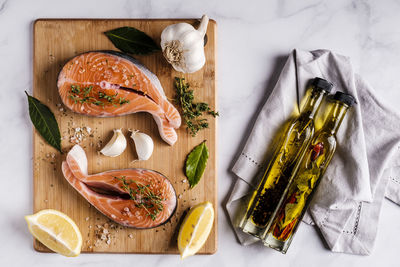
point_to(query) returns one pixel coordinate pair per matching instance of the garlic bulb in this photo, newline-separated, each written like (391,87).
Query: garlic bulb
(116,145)
(183,46)
(143,143)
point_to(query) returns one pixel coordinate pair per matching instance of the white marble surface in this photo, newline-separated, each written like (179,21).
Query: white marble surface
(253,36)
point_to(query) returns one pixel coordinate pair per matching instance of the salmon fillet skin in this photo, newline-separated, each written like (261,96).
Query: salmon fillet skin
(137,198)
(109,83)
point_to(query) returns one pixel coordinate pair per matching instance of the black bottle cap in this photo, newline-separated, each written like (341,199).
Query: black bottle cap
(345,98)
(322,84)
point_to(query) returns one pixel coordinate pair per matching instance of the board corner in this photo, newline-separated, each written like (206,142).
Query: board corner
(38,22)
(213,22)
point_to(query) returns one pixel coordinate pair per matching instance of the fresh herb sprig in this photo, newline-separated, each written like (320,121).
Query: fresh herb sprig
(143,197)
(82,95)
(191,111)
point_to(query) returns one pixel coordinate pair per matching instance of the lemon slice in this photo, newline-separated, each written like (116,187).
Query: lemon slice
(56,231)
(195,229)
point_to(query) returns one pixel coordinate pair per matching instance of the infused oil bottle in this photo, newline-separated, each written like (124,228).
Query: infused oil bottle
(295,139)
(311,168)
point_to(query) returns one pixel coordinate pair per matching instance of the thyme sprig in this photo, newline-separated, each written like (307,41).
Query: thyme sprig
(82,95)
(143,197)
(191,111)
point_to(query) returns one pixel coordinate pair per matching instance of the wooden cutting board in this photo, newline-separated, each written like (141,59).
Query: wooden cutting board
(55,42)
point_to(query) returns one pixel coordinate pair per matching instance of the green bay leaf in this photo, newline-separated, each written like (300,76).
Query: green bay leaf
(44,121)
(196,164)
(132,41)
(293,210)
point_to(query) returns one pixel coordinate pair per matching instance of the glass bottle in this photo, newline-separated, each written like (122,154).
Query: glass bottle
(263,201)
(309,172)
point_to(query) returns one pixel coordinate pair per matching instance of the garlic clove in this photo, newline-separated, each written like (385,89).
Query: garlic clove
(116,145)
(143,143)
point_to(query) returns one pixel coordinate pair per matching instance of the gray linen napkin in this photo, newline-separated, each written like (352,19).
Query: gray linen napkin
(364,169)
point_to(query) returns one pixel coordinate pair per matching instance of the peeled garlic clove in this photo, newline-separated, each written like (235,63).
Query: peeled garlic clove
(116,145)
(143,143)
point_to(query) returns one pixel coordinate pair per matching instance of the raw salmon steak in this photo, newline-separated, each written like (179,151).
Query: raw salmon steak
(138,198)
(109,83)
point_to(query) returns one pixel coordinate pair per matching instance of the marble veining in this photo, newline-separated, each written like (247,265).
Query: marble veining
(254,37)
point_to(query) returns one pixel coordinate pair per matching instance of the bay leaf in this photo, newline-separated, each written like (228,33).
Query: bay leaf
(293,210)
(44,121)
(196,164)
(131,40)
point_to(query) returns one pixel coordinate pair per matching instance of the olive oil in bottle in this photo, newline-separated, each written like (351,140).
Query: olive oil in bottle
(309,172)
(296,138)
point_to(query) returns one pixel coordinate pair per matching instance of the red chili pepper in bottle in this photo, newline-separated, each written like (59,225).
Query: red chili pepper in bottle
(283,234)
(317,150)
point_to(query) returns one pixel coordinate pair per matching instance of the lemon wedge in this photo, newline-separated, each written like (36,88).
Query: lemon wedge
(56,231)
(195,229)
